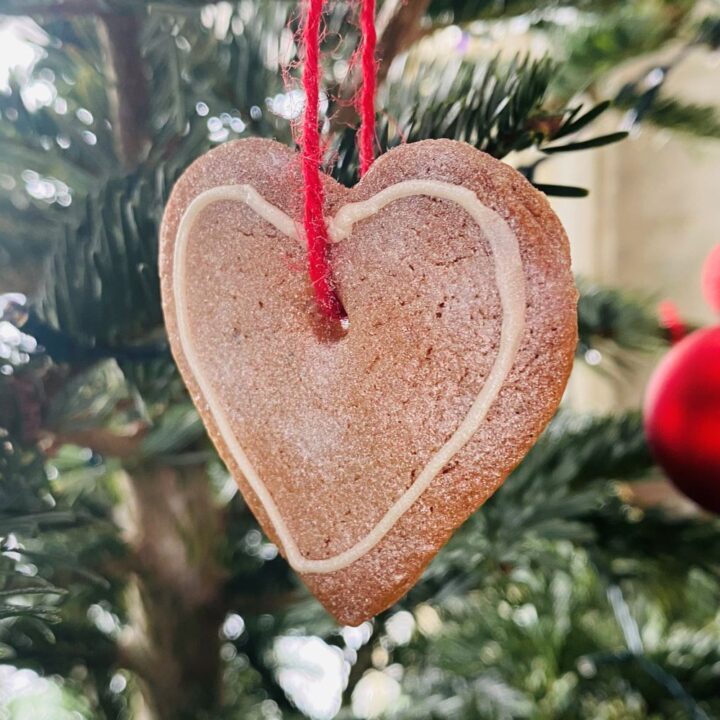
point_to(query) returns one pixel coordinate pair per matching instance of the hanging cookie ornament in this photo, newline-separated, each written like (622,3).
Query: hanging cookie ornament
(682,405)
(368,406)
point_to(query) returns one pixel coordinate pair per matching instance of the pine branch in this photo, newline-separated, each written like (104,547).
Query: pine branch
(509,649)
(643,100)
(121,245)
(59,651)
(465,11)
(551,488)
(497,107)
(709,32)
(610,319)
(660,546)
(231,74)
(550,497)
(32,514)
(625,31)
(116,228)
(675,115)
(486,105)
(23,482)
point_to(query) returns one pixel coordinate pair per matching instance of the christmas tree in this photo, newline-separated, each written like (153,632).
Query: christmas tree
(135,583)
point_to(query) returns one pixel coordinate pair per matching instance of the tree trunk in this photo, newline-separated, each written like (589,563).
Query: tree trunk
(176,603)
(127,90)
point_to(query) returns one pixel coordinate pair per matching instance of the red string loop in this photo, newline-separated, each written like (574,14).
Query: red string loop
(316,233)
(368,87)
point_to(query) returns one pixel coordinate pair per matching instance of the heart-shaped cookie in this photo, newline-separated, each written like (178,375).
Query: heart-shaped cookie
(361,451)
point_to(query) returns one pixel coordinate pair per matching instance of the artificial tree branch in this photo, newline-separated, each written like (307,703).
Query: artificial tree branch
(127,86)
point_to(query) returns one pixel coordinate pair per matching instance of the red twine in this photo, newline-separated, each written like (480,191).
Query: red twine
(369,81)
(316,233)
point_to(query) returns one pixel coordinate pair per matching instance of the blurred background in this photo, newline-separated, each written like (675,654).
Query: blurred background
(135,584)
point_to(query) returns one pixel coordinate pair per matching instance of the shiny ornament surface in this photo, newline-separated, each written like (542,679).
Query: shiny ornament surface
(682,416)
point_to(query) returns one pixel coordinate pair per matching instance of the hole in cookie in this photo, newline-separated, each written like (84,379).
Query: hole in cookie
(325,329)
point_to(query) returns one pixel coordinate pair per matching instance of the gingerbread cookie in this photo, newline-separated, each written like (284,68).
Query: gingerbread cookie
(361,451)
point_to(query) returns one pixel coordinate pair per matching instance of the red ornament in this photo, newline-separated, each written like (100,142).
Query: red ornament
(682,416)
(711,279)
(669,317)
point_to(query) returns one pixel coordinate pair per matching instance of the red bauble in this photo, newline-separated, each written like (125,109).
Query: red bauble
(682,416)
(711,279)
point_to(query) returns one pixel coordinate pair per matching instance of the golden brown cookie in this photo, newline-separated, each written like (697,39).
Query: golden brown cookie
(360,452)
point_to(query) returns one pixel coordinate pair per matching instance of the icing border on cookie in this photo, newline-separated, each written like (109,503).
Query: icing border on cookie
(510,281)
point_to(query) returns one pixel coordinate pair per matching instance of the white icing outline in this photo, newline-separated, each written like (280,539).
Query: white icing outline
(510,281)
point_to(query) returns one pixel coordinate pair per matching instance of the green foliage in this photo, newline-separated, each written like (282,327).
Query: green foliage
(693,119)
(625,31)
(524,591)
(54,591)
(230,68)
(549,644)
(25,510)
(498,107)
(120,246)
(563,480)
(709,32)
(612,322)
(222,72)
(462,11)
